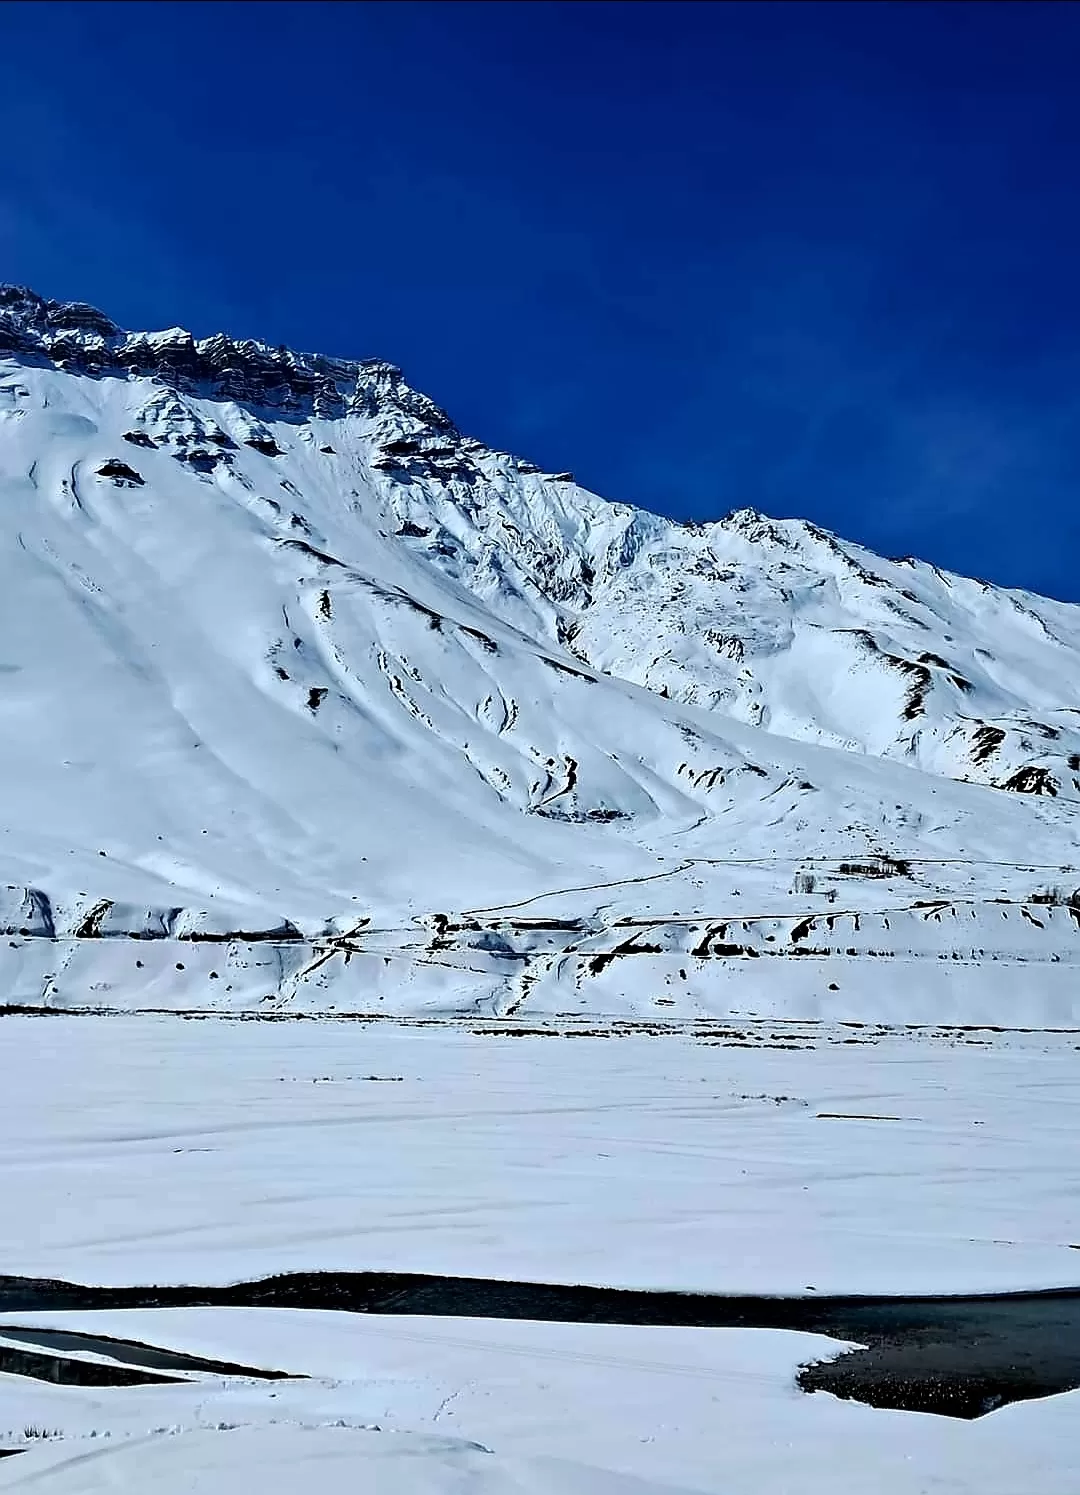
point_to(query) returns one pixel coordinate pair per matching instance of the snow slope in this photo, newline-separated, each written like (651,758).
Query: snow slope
(363,712)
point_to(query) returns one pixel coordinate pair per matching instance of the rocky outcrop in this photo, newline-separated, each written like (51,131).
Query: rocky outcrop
(293,385)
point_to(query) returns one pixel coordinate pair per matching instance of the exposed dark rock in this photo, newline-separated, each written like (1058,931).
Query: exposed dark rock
(987,740)
(90,927)
(293,385)
(1032,780)
(284,933)
(199,459)
(121,474)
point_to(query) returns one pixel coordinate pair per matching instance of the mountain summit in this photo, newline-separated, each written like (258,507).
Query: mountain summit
(288,659)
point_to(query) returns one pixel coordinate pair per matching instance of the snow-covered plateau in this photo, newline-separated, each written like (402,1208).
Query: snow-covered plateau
(411,862)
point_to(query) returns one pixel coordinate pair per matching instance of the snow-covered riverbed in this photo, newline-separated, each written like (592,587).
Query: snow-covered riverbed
(749,1158)
(773,1158)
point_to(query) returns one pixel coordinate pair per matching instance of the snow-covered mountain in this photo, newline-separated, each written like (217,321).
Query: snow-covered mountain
(287,657)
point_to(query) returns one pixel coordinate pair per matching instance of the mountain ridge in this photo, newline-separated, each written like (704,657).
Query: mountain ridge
(287,657)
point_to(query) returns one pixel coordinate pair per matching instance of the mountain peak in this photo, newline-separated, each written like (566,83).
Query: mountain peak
(79,338)
(776,623)
(284,653)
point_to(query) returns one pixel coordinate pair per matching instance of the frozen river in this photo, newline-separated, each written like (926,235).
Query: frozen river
(792,1159)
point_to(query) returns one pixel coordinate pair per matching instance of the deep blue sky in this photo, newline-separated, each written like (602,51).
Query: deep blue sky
(819,259)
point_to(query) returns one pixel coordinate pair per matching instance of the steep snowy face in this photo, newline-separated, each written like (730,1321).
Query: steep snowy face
(775,623)
(788,628)
(278,640)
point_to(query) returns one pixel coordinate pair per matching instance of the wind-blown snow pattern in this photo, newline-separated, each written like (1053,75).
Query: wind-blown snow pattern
(311,701)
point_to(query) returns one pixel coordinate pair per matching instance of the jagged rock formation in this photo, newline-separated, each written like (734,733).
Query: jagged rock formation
(82,340)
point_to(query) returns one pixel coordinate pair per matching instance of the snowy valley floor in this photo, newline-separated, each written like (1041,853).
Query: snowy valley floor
(769,1157)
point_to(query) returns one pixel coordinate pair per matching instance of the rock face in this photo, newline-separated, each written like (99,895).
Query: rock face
(82,340)
(282,649)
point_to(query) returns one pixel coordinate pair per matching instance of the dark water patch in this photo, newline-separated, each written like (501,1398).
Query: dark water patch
(38,1366)
(958,1356)
(48,1355)
(128,1352)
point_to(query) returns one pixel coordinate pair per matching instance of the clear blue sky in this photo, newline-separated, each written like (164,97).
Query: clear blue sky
(819,259)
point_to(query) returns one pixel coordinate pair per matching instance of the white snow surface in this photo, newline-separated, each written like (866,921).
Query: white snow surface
(286,656)
(333,1459)
(138,1149)
(737,1158)
(655,835)
(444,1407)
